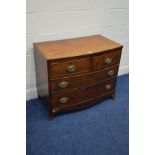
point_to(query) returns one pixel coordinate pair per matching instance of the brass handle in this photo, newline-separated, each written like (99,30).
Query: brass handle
(111,73)
(71,68)
(108,87)
(64,100)
(63,84)
(108,60)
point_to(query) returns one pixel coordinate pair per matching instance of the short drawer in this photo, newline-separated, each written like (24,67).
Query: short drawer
(69,67)
(82,95)
(82,80)
(106,60)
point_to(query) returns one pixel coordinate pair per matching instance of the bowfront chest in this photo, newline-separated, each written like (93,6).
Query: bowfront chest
(76,73)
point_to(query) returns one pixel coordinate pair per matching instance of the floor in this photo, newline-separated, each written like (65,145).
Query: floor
(99,130)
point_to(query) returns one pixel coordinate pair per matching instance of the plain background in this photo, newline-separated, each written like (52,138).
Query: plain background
(13,77)
(59,19)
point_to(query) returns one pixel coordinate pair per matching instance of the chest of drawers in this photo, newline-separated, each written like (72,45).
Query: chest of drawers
(76,73)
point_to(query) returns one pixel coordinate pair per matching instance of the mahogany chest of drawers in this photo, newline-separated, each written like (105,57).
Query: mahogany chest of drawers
(75,73)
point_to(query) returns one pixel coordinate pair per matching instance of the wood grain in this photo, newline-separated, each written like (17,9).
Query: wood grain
(82,105)
(41,74)
(75,47)
(60,69)
(82,80)
(83,94)
(86,85)
(99,61)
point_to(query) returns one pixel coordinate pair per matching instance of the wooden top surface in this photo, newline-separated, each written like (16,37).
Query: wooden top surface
(75,47)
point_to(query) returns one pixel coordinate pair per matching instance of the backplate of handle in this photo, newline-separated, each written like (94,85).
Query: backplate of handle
(111,73)
(108,86)
(63,84)
(71,68)
(108,60)
(64,100)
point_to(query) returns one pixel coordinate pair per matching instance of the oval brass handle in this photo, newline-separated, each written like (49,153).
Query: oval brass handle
(64,100)
(71,68)
(108,87)
(63,84)
(108,60)
(111,73)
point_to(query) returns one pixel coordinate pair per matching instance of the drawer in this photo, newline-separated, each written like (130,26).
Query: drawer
(77,81)
(69,67)
(82,95)
(106,60)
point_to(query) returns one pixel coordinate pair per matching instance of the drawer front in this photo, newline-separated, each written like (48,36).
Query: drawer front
(72,82)
(69,68)
(106,60)
(82,95)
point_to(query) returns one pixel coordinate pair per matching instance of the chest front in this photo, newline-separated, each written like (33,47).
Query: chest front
(73,74)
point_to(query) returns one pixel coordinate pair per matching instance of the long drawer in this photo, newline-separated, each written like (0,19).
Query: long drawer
(67,83)
(81,95)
